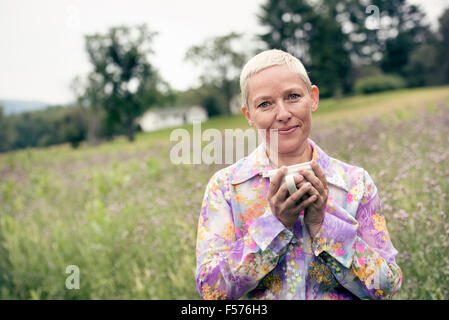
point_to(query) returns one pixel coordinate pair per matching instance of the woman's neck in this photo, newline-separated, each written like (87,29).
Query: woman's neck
(302,154)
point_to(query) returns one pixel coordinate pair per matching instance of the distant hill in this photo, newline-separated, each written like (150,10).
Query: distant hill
(19,106)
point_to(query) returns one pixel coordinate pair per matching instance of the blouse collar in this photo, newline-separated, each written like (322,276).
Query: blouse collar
(258,163)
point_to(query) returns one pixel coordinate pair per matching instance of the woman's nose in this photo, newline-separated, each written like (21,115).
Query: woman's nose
(283,113)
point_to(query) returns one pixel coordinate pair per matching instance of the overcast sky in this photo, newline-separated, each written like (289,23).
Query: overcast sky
(42,42)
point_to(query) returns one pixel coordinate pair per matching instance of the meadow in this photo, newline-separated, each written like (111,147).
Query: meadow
(127,217)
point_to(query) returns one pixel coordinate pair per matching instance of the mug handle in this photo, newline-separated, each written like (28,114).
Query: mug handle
(291,186)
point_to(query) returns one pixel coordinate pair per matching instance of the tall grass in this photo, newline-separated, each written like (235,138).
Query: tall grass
(126,216)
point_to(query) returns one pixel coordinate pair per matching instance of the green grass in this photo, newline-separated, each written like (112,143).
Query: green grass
(131,229)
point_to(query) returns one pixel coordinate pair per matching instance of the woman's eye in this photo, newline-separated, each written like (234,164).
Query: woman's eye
(294,96)
(263,104)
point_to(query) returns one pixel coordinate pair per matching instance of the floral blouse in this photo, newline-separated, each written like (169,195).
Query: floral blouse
(244,251)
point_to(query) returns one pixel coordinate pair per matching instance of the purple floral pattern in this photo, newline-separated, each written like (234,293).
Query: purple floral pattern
(244,251)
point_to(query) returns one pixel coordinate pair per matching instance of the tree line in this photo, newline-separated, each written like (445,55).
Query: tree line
(347,46)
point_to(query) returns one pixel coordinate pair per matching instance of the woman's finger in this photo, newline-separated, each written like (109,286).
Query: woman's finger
(282,193)
(304,204)
(299,180)
(319,173)
(314,192)
(275,183)
(316,183)
(295,197)
(283,190)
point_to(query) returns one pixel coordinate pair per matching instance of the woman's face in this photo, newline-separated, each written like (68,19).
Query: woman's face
(278,100)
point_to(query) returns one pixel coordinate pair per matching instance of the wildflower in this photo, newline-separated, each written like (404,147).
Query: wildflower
(404,255)
(401,215)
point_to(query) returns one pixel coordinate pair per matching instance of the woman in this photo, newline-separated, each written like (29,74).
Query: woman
(327,240)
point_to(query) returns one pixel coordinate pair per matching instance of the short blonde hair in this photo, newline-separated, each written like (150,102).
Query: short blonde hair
(267,59)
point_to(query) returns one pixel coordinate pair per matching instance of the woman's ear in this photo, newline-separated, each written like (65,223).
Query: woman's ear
(247,116)
(315,95)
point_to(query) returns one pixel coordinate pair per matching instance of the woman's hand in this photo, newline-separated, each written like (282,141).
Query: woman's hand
(287,208)
(314,214)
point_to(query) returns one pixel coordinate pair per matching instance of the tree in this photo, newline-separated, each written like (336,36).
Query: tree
(89,97)
(423,67)
(288,24)
(335,39)
(329,56)
(123,78)
(72,126)
(208,97)
(312,33)
(221,63)
(443,46)
(408,24)
(5,132)
(429,63)
(396,30)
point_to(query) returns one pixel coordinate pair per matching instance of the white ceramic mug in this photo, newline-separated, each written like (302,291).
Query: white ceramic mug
(291,171)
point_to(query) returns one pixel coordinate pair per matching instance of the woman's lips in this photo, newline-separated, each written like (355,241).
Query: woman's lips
(287,130)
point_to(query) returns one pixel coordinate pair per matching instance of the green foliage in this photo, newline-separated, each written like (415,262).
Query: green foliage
(47,127)
(422,69)
(378,83)
(407,31)
(443,45)
(127,217)
(404,154)
(388,39)
(333,39)
(5,132)
(310,32)
(221,62)
(123,82)
(212,105)
(207,96)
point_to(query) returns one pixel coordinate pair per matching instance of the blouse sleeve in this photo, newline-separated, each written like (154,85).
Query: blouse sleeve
(359,251)
(228,266)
